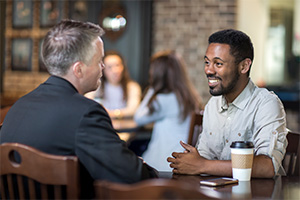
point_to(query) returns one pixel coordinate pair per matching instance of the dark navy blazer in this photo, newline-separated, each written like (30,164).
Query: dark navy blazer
(56,119)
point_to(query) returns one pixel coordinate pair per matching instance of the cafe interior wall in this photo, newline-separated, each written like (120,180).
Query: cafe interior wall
(16,83)
(183,25)
(274,27)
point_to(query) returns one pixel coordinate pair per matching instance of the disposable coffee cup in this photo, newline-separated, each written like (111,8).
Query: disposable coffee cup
(242,159)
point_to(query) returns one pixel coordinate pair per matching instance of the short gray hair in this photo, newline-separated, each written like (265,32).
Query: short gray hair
(68,42)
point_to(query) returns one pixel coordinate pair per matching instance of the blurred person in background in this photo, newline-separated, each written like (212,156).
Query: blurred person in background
(119,94)
(169,102)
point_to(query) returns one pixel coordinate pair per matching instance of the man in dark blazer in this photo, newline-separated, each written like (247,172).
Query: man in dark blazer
(57,119)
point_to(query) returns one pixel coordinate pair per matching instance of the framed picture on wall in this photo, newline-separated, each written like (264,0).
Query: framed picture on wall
(79,10)
(21,54)
(50,12)
(22,13)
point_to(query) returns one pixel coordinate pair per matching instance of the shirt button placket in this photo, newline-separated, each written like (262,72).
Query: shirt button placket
(228,127)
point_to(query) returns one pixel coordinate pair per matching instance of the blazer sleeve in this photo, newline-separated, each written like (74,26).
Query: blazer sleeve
(133,100)
(101,151)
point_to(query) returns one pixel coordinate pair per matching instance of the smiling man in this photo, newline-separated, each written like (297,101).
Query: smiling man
(238,111)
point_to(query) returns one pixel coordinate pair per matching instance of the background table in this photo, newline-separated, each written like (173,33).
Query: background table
(125,128)
(124,125)
(137,137)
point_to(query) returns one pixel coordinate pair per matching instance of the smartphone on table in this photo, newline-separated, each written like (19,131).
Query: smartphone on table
(219,181)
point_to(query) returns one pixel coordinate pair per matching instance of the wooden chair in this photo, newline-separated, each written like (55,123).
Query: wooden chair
(291,161)
(27,173)
(195,127)
(148,189)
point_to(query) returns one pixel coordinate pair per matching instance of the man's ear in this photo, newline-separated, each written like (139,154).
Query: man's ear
(245,66)
(77,69)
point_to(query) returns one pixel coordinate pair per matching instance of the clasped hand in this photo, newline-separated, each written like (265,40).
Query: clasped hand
(187,162)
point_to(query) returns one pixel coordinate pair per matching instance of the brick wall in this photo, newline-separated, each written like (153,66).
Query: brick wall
(185,25)
(17,84)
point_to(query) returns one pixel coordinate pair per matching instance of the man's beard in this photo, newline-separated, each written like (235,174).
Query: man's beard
(225,90)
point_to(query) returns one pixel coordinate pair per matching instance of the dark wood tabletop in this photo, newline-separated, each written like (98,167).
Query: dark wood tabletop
(280,187)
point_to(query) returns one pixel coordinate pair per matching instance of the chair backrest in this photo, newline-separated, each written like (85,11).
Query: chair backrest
(148,189)
(27,173)
(195,127)
(291,161)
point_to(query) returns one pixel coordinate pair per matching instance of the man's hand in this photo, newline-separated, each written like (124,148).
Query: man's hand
(191,162)
(188,162)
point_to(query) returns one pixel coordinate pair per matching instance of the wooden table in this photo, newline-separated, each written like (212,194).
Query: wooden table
(281,187)
(124,125)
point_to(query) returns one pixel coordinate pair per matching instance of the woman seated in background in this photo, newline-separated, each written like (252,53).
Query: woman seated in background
(118,93)
(168,103)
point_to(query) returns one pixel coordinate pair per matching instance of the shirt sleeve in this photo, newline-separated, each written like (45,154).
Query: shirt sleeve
(142,115)
(101,151)
(270,131)
(133,100)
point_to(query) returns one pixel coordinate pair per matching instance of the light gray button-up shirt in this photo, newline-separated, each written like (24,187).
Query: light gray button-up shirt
(256,115)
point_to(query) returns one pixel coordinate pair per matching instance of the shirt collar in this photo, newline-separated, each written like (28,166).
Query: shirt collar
(241,100)
(223,104)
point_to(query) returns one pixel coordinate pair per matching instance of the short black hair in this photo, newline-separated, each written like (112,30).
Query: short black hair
(240,44)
